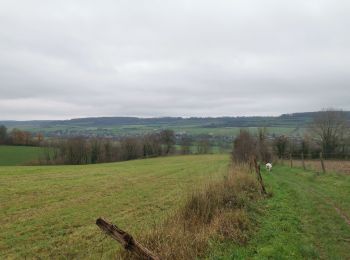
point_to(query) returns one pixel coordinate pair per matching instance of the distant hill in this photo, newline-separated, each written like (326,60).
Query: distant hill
(111,126)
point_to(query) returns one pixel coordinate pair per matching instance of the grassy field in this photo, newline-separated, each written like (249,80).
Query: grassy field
(50,211)
(17,155)
(306,218)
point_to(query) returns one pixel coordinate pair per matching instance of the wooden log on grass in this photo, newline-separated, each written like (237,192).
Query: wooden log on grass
(125,239)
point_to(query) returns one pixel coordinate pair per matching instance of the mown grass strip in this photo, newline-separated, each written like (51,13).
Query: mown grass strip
(298,223)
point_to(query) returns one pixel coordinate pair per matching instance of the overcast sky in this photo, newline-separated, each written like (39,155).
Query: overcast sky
(65,59)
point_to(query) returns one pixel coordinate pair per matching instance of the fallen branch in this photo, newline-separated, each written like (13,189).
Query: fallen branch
(125,239)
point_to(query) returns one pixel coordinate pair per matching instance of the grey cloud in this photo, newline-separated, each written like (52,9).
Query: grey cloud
(68,59)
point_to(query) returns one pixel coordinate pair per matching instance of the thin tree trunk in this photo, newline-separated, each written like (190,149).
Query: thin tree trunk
(302,160)
(257,170)
(322,163)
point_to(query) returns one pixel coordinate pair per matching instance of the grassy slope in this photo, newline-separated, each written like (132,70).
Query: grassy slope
(49,211)
(301,220)
(16,155)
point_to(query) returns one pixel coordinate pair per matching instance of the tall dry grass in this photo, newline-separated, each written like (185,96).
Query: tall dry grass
(217,211)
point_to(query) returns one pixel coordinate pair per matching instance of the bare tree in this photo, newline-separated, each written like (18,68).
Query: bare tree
(131,148)
(186,142)
(96,150)
(281,143)
(203,146)
(75,151)
(329,127)
(3,134)
(151,145)
(19,137)
(110,152)
(263,146)
(305,145)
(244,147)
(168,140)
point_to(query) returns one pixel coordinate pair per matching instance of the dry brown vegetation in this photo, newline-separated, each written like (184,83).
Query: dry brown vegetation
(218,211)
(339,166)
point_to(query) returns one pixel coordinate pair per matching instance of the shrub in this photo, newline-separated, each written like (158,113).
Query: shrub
(244,147)
(219,211)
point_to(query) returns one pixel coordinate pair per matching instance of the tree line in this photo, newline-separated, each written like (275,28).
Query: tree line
(328,134)
(80,150)
(19,137)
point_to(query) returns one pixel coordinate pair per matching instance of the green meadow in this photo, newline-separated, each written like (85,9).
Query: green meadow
(18,155)
(50,211)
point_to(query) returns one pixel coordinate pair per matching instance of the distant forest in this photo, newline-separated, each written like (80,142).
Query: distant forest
(114,127)
(249,121)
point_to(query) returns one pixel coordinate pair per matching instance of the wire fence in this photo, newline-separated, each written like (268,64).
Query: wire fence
(319,165)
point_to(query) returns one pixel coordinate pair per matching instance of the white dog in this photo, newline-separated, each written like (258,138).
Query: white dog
(269,166)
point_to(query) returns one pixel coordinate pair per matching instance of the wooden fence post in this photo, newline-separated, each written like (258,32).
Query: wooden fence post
(302,160)
(322,163)
(257,171)
(125,239)
(251,164)
(291,160)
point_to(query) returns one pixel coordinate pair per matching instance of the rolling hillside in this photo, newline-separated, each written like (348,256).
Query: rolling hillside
(291,124)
